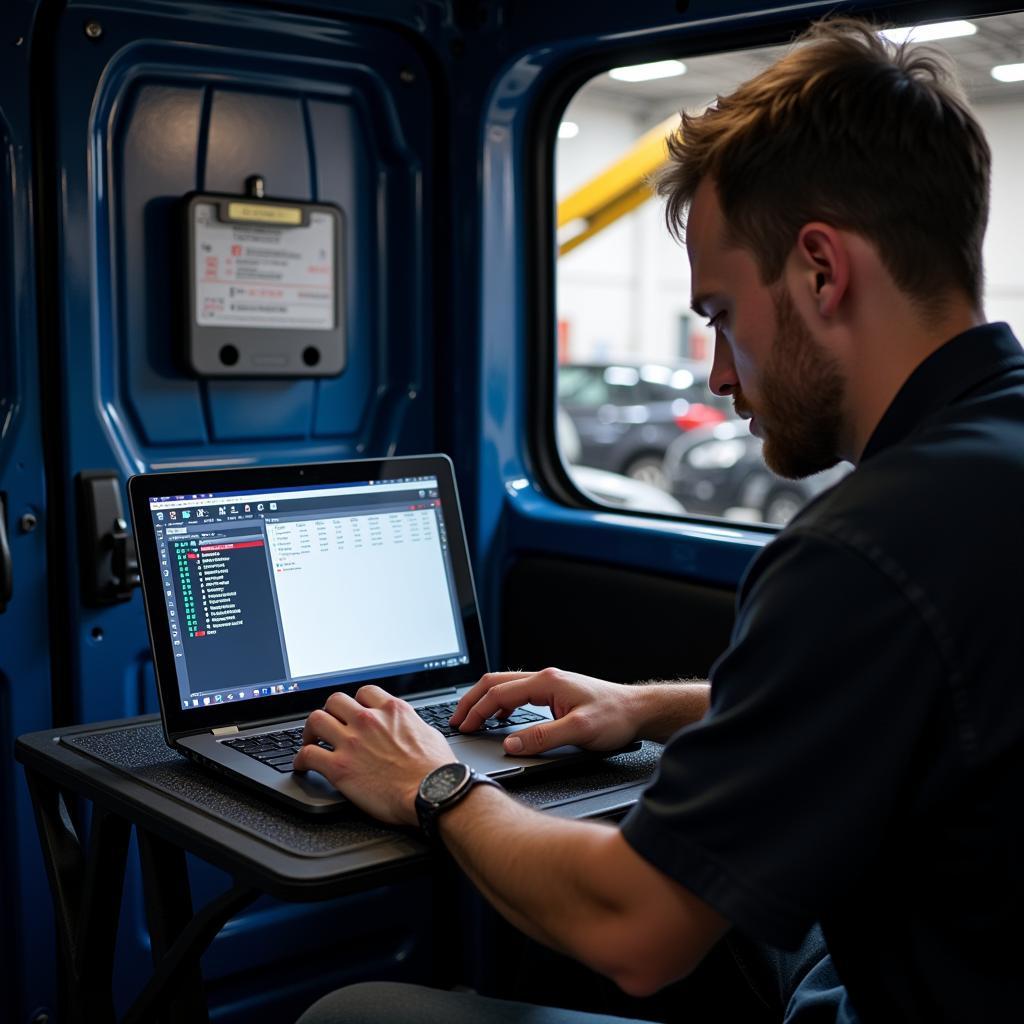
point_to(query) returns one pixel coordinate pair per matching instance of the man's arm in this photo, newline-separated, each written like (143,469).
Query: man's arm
(577,886)
(580,888)
(590,713)
(665,707)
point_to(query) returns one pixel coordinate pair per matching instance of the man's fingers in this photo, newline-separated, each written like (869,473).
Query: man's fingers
(471,696)
(502,697)
(545,736)
(327,723)
(342,706)
(321,725)
(371,696)
(312,758)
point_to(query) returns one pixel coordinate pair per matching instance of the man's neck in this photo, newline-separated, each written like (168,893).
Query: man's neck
(887,357)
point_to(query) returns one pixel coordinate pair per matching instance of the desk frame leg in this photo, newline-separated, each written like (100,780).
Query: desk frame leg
(168,910)
(87,892)
(87,889)
(178,937)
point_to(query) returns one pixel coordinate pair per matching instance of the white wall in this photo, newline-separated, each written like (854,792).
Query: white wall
(623,291)
(1004,243)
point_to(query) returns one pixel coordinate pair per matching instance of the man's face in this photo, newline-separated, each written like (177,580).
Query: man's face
(765,357)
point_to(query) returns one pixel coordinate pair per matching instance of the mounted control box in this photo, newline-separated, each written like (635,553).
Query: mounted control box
(264,286)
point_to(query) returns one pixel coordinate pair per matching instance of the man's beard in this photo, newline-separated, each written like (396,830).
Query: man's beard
(802,395)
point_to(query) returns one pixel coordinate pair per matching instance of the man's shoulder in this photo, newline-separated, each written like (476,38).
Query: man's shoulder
(960,469)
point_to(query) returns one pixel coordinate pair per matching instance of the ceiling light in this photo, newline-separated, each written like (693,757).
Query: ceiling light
(568,130)
(1008,73)
(929,33)
(649,72)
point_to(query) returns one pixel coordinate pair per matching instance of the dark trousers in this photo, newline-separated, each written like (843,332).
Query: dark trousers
(801,987)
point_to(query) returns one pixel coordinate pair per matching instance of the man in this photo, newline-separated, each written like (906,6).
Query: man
(859,759)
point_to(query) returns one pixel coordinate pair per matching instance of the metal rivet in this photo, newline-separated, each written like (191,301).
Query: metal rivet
(93,29)
(28,522)
(407,76)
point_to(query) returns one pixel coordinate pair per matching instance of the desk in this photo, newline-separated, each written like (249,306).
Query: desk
(133,779)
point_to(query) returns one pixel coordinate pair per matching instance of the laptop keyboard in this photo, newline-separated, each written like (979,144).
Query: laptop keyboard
(278,749)
(437,715)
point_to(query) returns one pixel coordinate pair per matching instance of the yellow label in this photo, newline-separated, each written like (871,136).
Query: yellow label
(262,214)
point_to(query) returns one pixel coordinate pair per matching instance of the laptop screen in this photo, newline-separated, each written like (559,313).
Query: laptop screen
(274,590)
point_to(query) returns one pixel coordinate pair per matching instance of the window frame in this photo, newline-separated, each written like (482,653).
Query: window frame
(540,234)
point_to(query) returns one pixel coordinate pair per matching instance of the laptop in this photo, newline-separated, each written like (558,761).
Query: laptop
(268,589)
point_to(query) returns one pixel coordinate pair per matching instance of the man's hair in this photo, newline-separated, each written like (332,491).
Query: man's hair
(855,131)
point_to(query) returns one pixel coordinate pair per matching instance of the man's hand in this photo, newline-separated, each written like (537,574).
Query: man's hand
(588,712)
(382,751)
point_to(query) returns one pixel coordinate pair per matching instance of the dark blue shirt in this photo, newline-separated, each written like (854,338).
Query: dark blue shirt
(862,764)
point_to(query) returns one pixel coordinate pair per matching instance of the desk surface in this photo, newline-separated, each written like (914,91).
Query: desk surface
(126,767)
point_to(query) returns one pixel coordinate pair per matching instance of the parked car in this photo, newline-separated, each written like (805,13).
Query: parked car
(627,414)
(720,471)
(622,492)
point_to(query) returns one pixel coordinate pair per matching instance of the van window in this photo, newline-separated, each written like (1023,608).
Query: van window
(637,426)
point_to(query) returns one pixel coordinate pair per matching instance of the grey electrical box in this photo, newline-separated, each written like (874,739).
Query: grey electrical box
(265,287)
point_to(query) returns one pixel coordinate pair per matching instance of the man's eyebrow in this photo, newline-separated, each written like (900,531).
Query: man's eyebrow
(697,305)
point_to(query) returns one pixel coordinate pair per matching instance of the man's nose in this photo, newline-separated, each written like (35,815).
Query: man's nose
(723,380)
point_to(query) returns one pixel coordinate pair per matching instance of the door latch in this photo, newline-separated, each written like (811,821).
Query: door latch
(6,565)
(109,565)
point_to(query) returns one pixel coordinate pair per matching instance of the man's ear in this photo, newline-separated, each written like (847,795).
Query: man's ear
(823,266)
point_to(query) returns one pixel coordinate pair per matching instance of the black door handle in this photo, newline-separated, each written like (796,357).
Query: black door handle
(6,566)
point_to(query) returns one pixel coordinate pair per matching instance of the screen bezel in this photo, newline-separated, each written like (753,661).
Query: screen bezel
(181,722)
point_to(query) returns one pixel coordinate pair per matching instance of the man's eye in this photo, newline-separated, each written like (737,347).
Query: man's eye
(716,321)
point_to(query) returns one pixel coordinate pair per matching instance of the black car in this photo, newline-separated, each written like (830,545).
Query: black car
(628,414)
(720,471)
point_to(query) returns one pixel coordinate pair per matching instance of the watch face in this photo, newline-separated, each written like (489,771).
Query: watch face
(443,781)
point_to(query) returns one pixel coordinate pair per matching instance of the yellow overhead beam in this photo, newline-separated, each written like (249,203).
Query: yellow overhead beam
(616,190)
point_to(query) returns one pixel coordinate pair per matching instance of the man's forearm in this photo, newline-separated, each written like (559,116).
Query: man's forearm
(578,887)
(526,864)
(664,708)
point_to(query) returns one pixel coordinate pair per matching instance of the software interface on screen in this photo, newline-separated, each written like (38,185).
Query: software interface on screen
(303,587)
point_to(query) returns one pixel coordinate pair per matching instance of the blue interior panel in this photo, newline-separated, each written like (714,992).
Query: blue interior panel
(256,133)
(27,938)
(240,410)
(174,99)
(175,137)
(156,148)
(323,116)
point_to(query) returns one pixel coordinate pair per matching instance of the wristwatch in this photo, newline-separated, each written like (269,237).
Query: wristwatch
(441,790)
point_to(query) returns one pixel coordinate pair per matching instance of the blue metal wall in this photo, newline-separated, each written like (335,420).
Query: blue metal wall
(24,639)
(147,102)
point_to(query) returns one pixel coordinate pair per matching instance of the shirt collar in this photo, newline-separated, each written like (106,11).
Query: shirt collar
(950,372)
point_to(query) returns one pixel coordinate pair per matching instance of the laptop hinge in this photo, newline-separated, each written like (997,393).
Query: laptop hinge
(225,730)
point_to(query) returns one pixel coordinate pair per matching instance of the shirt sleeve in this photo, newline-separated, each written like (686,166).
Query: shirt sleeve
(778,799)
